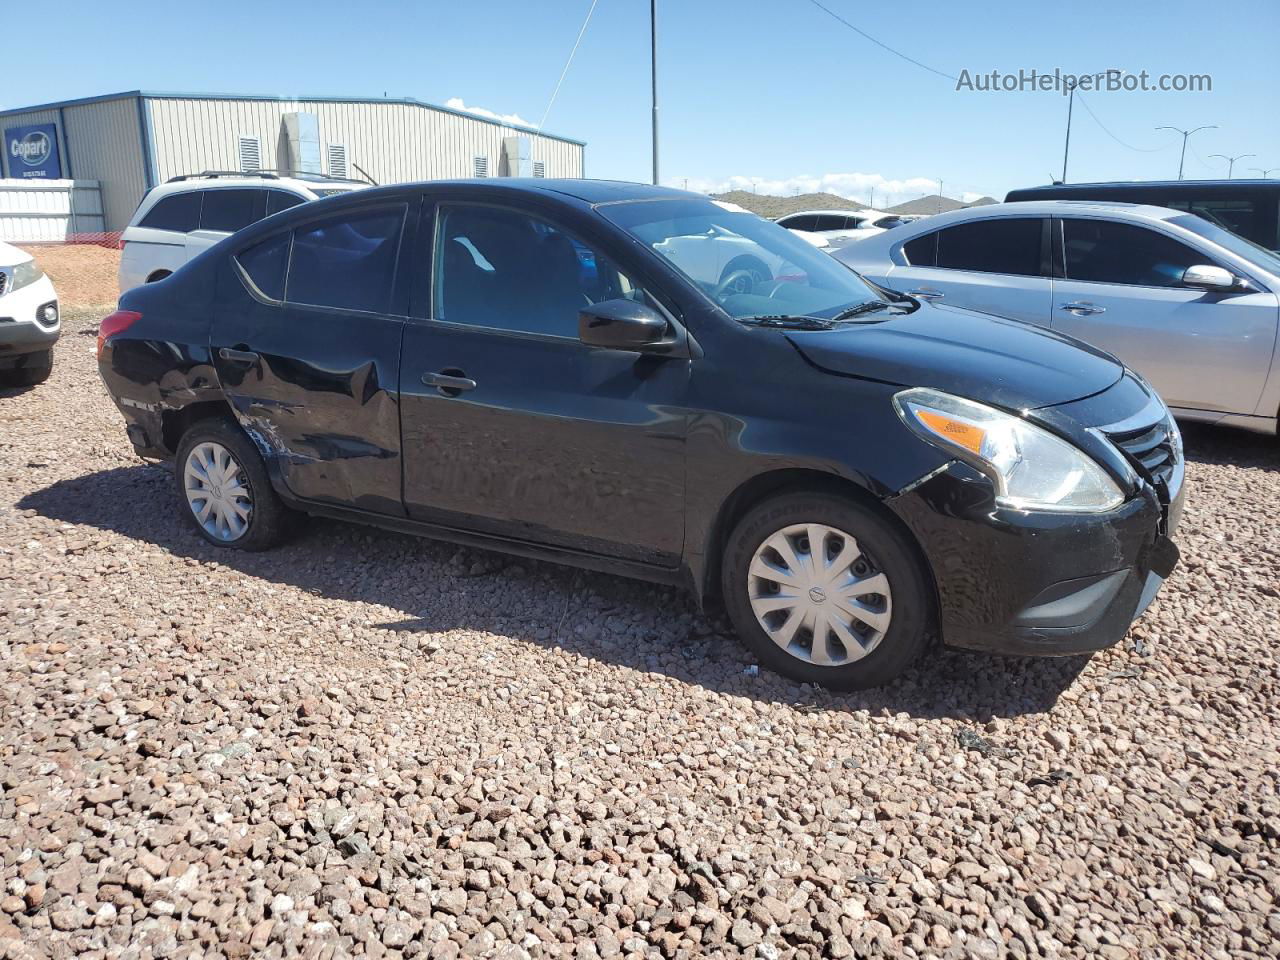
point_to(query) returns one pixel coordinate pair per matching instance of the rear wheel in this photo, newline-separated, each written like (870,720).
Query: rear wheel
(825,590)
(223,488)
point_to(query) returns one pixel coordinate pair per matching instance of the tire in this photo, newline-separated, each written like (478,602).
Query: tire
(858,653)
(198,455)
(35,369)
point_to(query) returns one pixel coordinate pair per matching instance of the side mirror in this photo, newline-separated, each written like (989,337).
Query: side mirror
(621,325)
(1205,277)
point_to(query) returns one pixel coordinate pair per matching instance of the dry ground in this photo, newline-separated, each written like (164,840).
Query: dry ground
(363,743)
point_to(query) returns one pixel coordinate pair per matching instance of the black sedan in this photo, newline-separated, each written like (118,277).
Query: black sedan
(649,382)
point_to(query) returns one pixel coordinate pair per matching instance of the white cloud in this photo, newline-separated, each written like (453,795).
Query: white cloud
(854,186)
(455,103)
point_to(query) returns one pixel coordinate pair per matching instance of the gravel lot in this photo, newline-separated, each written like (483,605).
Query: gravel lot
(364,743)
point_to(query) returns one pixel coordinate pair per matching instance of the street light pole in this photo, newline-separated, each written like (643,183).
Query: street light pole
(1071,102)
(1185,135)
(653,75)
(1265,171)
(1231,161)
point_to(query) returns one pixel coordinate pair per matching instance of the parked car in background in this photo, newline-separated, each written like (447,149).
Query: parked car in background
(852,474)
(188,214)
(832,224)
(29,319)
(1189,305)
(1250,208)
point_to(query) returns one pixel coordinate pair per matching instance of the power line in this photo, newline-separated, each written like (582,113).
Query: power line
(1085,103)
(879,43)
(567,63)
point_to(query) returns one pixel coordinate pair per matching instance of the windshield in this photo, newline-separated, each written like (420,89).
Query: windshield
(748,265)
(1253,252)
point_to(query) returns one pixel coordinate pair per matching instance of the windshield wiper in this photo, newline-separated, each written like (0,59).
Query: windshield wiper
(871,306)
(789,322)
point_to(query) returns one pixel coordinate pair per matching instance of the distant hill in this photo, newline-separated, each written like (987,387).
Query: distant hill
(774,207)
(935,204)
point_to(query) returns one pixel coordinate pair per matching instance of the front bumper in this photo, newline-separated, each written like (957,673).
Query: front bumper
(21,333)
(1046,584)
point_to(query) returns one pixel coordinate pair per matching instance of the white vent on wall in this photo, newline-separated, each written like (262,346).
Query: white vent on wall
(539,168)
(337,153)
(250,154)
(482,166)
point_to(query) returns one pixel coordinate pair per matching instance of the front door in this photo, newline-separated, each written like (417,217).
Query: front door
(312,370)
(514,427)
(1122,291)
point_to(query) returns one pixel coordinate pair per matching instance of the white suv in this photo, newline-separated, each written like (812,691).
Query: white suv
(189,214)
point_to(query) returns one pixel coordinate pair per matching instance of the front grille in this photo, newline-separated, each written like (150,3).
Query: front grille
(4,282)
(1153,451)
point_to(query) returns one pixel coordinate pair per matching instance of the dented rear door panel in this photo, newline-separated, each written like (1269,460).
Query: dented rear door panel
(321,397)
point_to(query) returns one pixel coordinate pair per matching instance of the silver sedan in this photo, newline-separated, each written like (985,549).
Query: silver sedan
(1184,302)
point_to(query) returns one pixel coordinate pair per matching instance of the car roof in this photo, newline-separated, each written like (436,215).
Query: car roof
(1049,208)
(1188,185)
(824,213)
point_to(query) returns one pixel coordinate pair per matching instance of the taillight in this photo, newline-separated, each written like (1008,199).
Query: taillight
(118,322)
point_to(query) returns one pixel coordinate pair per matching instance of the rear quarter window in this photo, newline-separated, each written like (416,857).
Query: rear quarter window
(266,264)
(179,212)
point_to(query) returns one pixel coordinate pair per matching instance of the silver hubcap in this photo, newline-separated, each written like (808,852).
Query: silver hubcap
(217,492)
(818,596)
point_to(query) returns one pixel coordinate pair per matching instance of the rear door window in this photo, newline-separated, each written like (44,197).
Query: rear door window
(922,251)
(266,263)
(348,261)
(231,210)
(179,212)
(1005,245)
(804,222)
(1103,251)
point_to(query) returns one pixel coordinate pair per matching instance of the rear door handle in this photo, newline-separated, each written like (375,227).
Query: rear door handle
(1083,308)
(927,294)
(238,356)
(450,383)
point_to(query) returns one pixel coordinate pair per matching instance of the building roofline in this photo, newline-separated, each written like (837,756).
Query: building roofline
(178,95)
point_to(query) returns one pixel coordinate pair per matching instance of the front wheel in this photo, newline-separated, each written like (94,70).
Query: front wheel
(825,590)
(35,370)
(223,488)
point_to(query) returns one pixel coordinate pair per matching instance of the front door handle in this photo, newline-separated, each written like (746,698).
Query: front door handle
(238,356)
(927,294)
(449,382)
(1083,308)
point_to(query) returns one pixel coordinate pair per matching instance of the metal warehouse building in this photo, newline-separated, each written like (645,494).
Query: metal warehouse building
(129,142)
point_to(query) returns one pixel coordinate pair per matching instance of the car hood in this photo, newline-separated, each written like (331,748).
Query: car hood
(11,256)
(1004,362)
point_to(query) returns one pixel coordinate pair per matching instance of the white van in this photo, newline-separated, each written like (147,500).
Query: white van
(188,214)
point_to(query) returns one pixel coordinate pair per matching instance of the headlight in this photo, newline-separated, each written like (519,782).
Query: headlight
(24,274)
(1031,468)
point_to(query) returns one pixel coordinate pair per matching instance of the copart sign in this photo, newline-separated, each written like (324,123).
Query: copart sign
(32,152)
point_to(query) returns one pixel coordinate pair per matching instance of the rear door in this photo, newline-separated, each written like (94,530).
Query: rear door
(1121,289)
(306,342)
(998,266)
(223,212)
(513,426)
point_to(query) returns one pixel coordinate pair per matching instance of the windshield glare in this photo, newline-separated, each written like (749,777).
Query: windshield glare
(749,266)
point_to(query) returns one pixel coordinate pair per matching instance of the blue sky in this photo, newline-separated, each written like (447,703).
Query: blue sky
(772,91)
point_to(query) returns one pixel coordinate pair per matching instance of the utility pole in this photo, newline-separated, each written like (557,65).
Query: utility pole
(937,207)
(1231,161)
(653,75)
(1265,171)
(1185,135)
(1071,102)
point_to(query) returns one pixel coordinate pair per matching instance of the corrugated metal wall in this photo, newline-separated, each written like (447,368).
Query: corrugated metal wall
(393,142)
(99,141)
(106,145)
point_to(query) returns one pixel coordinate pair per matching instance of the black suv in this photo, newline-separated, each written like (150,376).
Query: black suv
(649,382)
